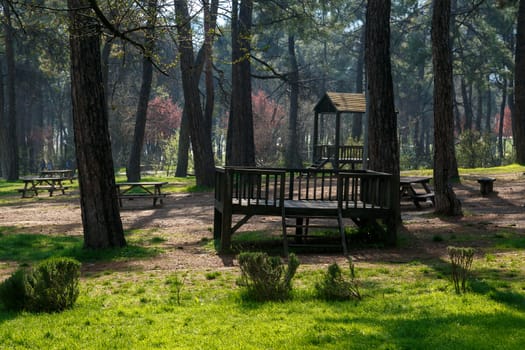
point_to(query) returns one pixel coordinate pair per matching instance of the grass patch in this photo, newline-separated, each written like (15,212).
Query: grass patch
(257,240)
(28,248)
(506,169)
(403,309)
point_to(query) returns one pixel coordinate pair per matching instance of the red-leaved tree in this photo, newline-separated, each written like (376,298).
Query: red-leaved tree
(507,123)
(163,119)
(268,118)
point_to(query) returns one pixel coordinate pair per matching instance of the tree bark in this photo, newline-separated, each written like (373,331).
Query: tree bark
(488,113)
(293,159)
(445,199)
(467,105)
(10,166)
(518,114)
(240,145)
(3,127)
(133,169)
(98,195)
(199,132)
(479,114)
(502,119)
(204,61)
(210,21)
(382,118)
(184,146)
(357,118)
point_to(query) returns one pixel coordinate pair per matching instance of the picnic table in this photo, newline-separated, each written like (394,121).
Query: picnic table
(417,188)
(34,184)
(68,174)
(134,190)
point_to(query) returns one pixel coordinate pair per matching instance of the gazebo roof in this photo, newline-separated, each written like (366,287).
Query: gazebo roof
(342,102)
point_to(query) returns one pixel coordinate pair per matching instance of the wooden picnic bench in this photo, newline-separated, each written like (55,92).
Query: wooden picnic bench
(408,189)
(32,185)
(140,190)
(68,174)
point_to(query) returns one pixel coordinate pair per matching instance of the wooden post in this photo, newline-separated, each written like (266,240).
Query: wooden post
(226,229)
(315,140)
(337,138)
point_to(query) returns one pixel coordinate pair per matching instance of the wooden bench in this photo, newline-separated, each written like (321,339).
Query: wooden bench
(32,185)
(141,190)
(155,197)
(408,190)
(486,185)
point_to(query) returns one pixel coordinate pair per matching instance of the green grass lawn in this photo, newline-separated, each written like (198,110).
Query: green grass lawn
(405,306)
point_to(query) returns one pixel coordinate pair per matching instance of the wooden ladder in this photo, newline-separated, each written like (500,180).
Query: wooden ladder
(303,223)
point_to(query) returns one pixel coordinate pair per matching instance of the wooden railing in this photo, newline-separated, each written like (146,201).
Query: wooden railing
(266,191)
(345,152)
(366,189)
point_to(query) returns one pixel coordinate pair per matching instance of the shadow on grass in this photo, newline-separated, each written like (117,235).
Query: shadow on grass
(29,248)
(320,242)
(424,330)
(499,292)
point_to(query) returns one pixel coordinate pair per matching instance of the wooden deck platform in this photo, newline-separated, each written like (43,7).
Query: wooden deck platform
(360,195)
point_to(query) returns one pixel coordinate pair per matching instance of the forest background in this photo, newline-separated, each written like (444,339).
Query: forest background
(298,51)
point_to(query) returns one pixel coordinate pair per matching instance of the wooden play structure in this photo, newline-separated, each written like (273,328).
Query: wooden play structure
(331,150)
(298,196)
(301,196)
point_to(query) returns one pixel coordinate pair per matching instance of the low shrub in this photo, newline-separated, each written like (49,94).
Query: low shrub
(12,291)
(461,260)
(50,286)
(336,286)
(265,277)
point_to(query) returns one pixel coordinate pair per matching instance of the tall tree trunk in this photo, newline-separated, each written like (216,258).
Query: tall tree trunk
(3,127)
(210,21)
(10,160)
(518,114)
(479,114)
(199,132)
(467,105)
(98,195)
(382,118)
(357,118)
(502,119)
(444,156)
(204,61)
(488,113)
(133,169)
(184,146)
(293,159)
(240,145)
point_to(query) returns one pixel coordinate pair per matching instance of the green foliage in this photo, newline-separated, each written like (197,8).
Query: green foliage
(437,238)
(410,159)
(461,259)
(335,286)
(212,275)
(476,150)
(265,277)
(12,291)
(176,284)
(50,286)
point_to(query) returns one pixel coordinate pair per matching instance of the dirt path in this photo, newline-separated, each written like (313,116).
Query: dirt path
(186,220)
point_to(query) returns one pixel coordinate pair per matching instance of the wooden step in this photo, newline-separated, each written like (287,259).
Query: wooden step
(312,226)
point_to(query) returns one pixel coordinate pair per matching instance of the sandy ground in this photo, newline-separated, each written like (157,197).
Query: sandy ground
(186,220)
